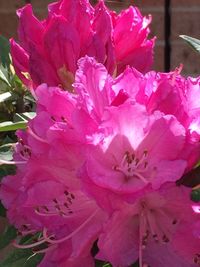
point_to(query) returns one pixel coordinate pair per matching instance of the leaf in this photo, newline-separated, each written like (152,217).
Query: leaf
(12,126)
(191,178)
(6,151)
(33,260)
(7,170)
(26,116)
(195,195)
(2,210)
(4,96)
(3,78)
(22,257)
(193,42)
(16,258)
(8,236)
(4,51)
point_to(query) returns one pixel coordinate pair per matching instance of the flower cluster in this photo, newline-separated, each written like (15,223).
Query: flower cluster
(49,49)
(98,165)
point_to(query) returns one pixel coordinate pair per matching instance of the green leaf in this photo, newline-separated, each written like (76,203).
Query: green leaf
(16,258)
(26,116)
(4,51)
(12,126)
(5,96)
(22,257)
(9,235)
(3,78)
(193,42)
(33,260)
(7,170)
(195,195)
(2,210)
(6,152)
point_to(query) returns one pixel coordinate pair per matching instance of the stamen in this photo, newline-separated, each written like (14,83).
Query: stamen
(49,240)
(142,230)
(12,162)
(176,73)
(41,251)
(29,130)
(131,166)
(31,245)
(196,259)
(38,212)
(155,231)
(140,177)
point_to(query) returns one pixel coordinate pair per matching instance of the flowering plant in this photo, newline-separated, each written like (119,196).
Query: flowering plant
(105,166)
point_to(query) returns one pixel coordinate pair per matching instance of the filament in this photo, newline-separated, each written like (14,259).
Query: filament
(36,136)
(8,162)
(70,235)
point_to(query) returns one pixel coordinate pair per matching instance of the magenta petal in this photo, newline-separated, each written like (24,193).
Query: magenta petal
(90,84)
(166,134)
(168,171)
(20,61)
(164,255)
(141,58)
(41,70)
(118,243)
(30,28)
(66,44)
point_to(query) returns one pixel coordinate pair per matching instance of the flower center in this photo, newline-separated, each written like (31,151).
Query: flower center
(62,207)
(132,166)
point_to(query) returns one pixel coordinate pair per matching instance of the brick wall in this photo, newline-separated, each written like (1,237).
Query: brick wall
(185,18)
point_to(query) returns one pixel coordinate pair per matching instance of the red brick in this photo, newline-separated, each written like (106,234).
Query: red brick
(8,24)
(185,3)
(11,5)
(41,4)
(182,53)
(159,58)
(185,23)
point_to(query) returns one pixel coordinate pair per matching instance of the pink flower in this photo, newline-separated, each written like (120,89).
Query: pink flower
(171,94)
(156,229)
(47,198)
(135,154)
(101,164)
(59,256)
(45,195)
(114,40)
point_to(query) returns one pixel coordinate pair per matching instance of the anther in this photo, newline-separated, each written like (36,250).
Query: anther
(55,200)
(145,153)
(66,193)
(63,119)
(165,239)
(22,153)
(70,200)
(155,237)
(66,205)
(45,208)
(72,196)
(196,259)
(174,222)
(57,207)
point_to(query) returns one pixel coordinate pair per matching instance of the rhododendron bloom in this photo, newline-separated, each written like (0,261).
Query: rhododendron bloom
(77,29)
(99,166)
(156,229)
